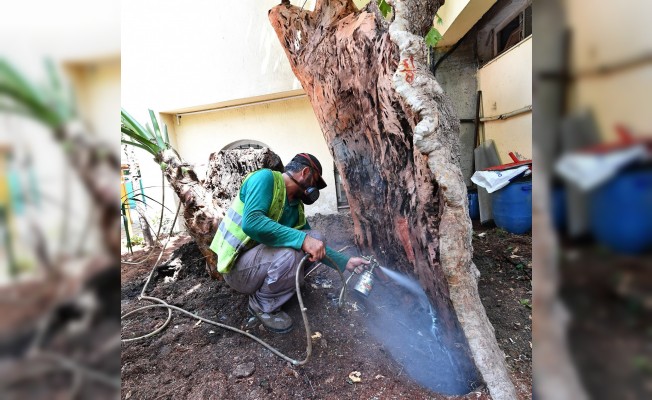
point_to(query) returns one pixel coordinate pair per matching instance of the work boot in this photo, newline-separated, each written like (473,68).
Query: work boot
(277,321)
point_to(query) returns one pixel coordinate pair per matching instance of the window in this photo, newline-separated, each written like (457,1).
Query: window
(513,31)
(245,144)
(342,201)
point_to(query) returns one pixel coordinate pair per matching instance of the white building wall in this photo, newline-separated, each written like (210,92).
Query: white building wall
(288,127)
(620,97)
(200,57)
(506,84)
(178,55)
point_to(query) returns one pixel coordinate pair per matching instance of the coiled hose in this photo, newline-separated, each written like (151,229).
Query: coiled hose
(169,307)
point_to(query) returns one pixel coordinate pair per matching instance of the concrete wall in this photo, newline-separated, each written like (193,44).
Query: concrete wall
(458,76)
(506,82)
(288,127)
(506,85)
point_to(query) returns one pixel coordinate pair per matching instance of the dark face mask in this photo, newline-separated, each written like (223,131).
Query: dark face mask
(309,195)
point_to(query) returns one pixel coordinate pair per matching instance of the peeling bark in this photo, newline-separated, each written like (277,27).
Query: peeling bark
(226,169)
(394,137)
(437,135)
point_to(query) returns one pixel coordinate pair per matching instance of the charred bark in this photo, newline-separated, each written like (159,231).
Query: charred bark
(226,169)
(394,137)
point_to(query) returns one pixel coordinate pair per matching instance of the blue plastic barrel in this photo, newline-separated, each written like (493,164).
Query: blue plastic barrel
(512,207)
(474,206)
(558,207)
(621,212)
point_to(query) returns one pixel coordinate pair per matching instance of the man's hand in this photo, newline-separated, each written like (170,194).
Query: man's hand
(356,264)
(314,247)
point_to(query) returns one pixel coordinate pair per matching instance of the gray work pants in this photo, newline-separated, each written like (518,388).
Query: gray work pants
(267,275)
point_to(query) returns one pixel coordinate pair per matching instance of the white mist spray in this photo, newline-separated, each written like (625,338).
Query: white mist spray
(414,340)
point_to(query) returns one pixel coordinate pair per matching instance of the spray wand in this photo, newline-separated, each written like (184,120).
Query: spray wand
(366,281)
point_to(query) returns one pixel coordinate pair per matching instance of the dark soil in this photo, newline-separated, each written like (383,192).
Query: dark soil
(505,264)
(610,299)
(202,361)
(76,317)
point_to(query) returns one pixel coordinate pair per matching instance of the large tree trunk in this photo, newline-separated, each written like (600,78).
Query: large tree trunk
(205,201)
(394,137)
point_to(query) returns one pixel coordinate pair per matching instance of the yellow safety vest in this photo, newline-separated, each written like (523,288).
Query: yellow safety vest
(230,240)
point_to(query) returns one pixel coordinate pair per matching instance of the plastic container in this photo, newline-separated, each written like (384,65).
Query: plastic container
(621,212)
(474,206)
(558,208)
(512,206)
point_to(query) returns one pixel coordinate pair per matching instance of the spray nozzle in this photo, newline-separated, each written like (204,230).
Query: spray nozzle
(366,281)
(373,263)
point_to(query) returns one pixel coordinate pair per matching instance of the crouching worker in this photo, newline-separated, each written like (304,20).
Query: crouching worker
(264,236)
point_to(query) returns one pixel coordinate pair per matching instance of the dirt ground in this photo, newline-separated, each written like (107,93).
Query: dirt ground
(609,298)
(202,361)
(59,336)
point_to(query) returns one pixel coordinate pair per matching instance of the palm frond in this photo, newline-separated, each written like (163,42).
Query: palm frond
(157,130)
(131,122)
(136,144)
(47,104)
(147,137)
(145,143)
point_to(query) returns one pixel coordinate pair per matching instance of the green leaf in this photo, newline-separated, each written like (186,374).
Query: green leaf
(433,37)
(152,148)
(157,130)
(130,121)
(17,87)
(10,76)
(385,8)
(149,128)
(167,138)
(130,143)
(439,20)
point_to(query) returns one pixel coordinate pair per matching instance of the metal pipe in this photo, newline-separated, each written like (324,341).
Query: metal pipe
(476,120)
(508,115)
(236,106)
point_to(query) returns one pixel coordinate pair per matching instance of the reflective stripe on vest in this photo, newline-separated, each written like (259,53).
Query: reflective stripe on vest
(230,240)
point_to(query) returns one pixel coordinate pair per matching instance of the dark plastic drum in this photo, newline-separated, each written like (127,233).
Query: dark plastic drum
(512,206)
(474,206)
(621,212)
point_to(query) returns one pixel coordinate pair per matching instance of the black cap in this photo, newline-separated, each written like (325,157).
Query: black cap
(311,161)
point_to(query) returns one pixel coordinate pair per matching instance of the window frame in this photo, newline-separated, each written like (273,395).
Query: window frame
(498,29)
